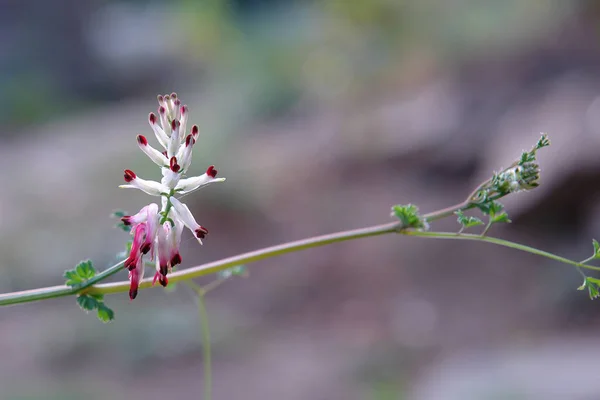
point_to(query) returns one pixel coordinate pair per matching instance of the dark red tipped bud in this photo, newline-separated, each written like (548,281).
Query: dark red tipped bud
(174,124)
(164,270)
(173,95)
(211,171)
(160,98)
(145,248)
(201,232)
(184,109)
(162,110)
(133,293)
(127,264)
(152,118)
(177,103)
(163,280)
(189,140)
(173,164)
(176,259)
(195,130)
(126,220)
(142,140)
(129,175)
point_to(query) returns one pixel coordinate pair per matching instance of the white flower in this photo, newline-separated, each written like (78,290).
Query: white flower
(158,233)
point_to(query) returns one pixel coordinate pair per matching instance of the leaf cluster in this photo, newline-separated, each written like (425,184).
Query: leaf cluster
(409,216)
(79,275)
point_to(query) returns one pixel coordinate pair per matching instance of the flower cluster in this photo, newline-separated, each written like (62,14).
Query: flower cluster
(157,230)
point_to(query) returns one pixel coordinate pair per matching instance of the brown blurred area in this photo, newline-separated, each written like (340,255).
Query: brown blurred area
(321,115)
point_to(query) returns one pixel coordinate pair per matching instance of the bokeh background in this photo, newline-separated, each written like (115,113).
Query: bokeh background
(321,114)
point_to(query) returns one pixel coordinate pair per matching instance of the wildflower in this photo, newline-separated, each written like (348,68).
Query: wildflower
(157,230)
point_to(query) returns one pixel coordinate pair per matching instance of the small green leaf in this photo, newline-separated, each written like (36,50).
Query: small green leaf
(72,278)
(543,142)
(500,218)
(409,216)
(592,285)
(527,157)
(85,270)
(467,222)
(86,302)
(118,214)
(238,270)
(121,225)
(596,248)
(104,313)
(490,207)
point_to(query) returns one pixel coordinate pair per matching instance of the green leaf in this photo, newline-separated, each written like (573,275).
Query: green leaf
(490,207)
(543,142)
(118,214)
(85,270)
(86,302)
(238,270)
(104,313)
(72,277)
(121,225)
(527,157)
(596,248)
(409,216)
(592,285)
(467,222)
(500,218)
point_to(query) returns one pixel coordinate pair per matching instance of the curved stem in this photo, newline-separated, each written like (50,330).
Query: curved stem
(91,286)
(500,242)
(201,270)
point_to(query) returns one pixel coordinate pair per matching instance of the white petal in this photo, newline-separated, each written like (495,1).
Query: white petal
(150,187)
(158,131)
(152,221)
(175,140)
(184,214)
(188,185)
(156,156)
(170,178)
(183,110)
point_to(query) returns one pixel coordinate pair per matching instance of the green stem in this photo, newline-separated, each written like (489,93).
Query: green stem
(201,270)
(500,242)
(203,315)
(487,228)
(253,256)
(26,296)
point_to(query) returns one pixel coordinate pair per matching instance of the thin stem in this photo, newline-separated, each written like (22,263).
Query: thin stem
(200,293)
(587,260)
(487,228)
(209,287)
(26,296)
(203,315)
(500,242)
(253,256)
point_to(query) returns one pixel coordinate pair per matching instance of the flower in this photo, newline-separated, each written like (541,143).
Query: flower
(157,230)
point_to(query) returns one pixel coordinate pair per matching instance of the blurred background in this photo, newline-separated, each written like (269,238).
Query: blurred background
(321,114)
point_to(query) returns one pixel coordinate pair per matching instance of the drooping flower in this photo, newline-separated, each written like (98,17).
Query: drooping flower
(157,232)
